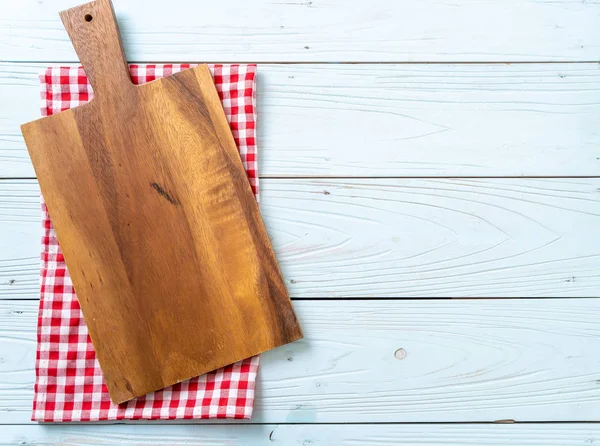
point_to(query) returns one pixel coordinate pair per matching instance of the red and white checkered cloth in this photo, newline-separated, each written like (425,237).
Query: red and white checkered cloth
(69,384)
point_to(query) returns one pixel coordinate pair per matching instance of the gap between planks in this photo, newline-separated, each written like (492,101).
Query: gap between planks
(397,177)
(240,422)
(379,299)
(545,62)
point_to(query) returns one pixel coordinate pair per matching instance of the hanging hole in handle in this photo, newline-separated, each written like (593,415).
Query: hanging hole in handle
(88,17)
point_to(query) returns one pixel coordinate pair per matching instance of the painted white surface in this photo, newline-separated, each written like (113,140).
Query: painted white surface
(466,360)
(392,120)
(320,30)
(391,237)
(304,435)
(476,360)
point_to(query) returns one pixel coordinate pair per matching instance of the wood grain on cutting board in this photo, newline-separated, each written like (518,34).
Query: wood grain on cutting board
(159,227)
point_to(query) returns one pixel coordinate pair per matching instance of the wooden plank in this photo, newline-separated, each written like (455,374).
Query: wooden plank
(391,237)
(415,120)
(19,87)
(303,435)
(319,30)
(462,360)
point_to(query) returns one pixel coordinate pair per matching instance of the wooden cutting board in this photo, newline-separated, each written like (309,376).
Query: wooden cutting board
(160,230)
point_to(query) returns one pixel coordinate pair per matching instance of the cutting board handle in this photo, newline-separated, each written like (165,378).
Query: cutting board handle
(94,32)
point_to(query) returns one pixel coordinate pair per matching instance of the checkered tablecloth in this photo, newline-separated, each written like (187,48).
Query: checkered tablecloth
(69,384)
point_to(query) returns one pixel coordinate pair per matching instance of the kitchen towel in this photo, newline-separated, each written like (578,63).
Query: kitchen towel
(69,384)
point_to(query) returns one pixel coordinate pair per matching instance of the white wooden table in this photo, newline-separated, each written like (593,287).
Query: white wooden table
(410,151)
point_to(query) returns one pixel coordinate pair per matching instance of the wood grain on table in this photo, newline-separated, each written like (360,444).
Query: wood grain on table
(387,238)
(321,31)
(462,361)
(393,120)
